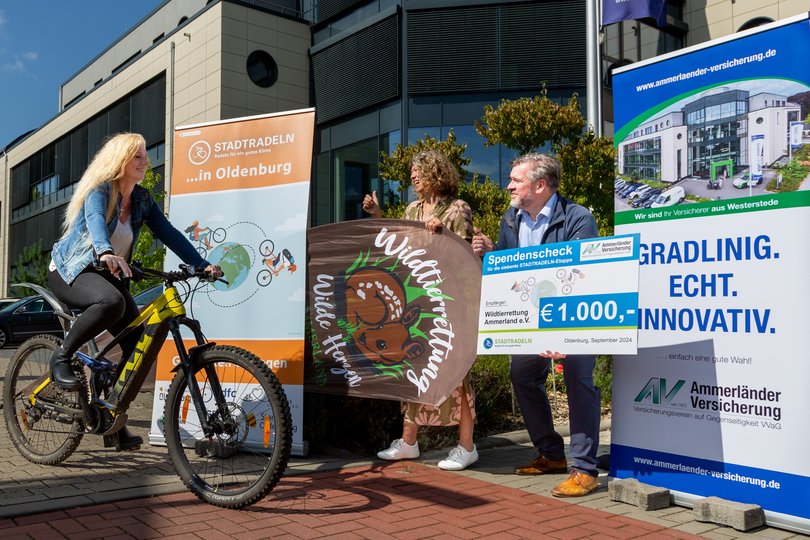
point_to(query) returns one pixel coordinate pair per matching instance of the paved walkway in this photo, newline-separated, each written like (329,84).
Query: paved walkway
(98,493)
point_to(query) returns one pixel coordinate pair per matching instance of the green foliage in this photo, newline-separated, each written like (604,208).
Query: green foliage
(148,250)
(488,202)
(486,199)
(603,377)
(356,425)
(397,165)
(802,153)
(587,172)
(556,380)
(31,267)
(527,124)
(394,211)
(493,393)
(793,174)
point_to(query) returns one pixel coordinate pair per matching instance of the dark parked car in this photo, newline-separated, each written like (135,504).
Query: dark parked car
(639,201)
(5,302)
(148,296)
(628,189)
(27,317)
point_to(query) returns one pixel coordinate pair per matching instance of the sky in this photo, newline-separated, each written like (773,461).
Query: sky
(45,42)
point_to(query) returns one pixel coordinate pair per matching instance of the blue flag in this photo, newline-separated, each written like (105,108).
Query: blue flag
(614,11)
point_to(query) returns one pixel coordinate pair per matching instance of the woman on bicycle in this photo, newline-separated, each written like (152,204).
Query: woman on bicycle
(101,227)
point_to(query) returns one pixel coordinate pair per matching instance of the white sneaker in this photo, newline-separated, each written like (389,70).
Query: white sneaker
(399,449)
(459,459)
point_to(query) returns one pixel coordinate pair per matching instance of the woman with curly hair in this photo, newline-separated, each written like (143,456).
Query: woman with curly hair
(435,182)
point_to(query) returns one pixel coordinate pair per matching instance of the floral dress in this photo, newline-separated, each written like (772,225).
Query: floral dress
(456,216)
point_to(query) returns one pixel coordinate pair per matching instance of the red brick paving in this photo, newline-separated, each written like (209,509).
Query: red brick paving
(380,501)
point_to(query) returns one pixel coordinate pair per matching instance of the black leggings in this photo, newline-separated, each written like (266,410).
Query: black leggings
(106,305)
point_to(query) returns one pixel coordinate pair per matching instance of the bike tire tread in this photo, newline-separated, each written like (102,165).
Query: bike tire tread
(17,438)
(283,432)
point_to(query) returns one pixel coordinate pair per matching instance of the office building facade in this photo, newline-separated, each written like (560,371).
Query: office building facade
(379,72)
(189,61)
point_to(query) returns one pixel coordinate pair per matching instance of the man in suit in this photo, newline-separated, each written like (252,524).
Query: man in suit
(540,215)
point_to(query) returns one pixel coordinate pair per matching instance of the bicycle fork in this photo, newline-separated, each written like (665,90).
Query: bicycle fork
(188,362)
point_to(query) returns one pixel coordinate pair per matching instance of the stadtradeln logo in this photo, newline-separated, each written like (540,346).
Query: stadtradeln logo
(657,391)
(199,152)
(488,343)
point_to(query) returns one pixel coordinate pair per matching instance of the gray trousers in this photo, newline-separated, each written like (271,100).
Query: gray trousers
(529,374)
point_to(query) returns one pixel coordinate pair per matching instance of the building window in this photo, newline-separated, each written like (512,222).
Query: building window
(262,69)
(753,23)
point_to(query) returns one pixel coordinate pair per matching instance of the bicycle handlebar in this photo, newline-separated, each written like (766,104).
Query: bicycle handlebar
(185,273)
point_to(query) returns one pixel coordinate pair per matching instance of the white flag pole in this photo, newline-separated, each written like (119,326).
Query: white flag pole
(593,66)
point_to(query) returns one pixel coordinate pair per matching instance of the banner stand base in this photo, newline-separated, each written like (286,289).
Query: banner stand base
(772,519)
(298,449)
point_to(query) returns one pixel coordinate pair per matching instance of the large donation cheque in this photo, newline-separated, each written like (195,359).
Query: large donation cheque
(577,297)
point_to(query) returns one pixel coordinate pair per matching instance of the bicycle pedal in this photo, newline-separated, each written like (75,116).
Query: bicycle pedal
(111,441)
(119,422)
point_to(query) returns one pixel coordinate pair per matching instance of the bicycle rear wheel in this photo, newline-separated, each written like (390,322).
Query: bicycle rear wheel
(246,456)
(40,433)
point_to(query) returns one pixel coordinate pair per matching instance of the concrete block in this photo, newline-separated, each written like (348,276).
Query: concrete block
(741,516)
(646,497)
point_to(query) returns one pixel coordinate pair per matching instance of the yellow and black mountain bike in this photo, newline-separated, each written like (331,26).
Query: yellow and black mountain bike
(226,422)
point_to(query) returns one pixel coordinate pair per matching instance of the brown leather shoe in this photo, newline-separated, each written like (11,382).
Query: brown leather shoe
(542,465)
(576,485)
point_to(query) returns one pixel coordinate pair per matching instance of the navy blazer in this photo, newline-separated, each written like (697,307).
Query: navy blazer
(569,221)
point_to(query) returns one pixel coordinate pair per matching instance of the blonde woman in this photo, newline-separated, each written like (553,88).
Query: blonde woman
(102,223)
(435,182)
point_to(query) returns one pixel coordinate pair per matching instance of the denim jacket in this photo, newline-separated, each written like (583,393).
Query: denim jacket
(90,235)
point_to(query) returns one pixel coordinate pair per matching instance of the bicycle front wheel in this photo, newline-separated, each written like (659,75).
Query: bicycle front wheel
(246,449)
(39,427)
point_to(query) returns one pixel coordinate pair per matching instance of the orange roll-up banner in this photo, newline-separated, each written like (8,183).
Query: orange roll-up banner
(240,192)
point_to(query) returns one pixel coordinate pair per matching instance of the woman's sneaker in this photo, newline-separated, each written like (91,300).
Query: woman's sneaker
(399,449)
(459,459)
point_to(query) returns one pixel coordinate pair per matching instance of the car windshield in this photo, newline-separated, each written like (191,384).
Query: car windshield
(13,306)
(660,199)
(148,296)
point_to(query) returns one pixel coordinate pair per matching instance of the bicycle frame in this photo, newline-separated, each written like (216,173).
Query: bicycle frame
(164,315)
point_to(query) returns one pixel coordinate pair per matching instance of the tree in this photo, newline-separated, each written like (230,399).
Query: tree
(588,169)
(31,267)
(397,165)
(487,200)
(527,124)
(148,250)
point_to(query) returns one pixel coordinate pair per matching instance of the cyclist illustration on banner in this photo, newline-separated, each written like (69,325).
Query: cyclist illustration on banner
(533,289)
(246,254)
(204,236)
(275,262)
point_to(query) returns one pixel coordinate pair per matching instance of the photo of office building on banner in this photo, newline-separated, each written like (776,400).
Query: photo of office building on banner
(723,133)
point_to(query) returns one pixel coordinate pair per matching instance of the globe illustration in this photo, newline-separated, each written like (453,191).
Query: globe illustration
(542,289)
(234,260)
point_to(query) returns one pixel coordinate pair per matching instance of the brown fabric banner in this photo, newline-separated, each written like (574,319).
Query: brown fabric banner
(393,310)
